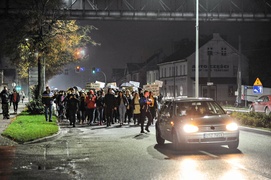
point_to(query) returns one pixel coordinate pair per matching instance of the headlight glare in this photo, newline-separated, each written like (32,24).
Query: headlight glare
(189,128)
(232,127)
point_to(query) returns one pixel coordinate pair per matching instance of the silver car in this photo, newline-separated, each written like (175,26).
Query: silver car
(191,121)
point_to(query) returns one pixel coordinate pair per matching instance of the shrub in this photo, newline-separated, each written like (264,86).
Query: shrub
(35,107)
(253,119)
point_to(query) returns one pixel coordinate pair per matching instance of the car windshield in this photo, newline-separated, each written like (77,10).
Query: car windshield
(199,108)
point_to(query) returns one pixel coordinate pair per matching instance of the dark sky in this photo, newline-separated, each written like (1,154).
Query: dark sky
(134,41)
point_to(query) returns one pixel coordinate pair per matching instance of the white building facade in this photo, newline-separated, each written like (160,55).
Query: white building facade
(218,67)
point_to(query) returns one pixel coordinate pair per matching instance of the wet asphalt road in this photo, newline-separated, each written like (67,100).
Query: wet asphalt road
(97,152)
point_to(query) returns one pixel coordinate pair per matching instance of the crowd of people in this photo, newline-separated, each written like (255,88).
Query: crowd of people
(103,107)
(10,98)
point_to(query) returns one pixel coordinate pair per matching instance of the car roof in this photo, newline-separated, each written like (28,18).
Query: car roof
(188,99)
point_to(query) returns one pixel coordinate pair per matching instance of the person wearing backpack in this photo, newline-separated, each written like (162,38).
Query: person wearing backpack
(5,102)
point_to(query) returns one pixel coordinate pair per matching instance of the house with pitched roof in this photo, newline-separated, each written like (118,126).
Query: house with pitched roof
(218,67)
(144,73)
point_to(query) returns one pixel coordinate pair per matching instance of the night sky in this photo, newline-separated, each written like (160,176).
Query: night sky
(134,41)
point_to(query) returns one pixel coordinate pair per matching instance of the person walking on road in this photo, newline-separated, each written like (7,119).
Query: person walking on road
(136,108)
(5,102)
(153,106)
(122,104)
(145,111)
(72,105)
(110,106)
(47,101)
(91,106)
(15,98)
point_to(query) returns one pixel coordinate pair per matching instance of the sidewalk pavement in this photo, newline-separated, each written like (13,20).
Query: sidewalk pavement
(5,122)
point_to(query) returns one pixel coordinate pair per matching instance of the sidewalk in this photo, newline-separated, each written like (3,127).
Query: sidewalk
(5,122)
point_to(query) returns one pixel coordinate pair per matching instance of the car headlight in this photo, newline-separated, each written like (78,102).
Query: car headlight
(190,128)
(232,127)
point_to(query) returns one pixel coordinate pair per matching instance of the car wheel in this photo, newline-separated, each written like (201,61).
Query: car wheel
(267,111)
(233,145)
(159,139)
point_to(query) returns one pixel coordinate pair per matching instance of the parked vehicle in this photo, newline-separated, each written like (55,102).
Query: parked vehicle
(195,121)
(262,104)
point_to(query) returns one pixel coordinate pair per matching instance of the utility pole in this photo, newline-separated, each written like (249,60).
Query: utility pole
(210,53)
(239,75)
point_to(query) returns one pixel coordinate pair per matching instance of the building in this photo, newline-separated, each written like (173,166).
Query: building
(218,67)
(144,73)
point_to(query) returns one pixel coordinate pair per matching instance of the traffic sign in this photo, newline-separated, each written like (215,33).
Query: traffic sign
(257,82)
(258,89)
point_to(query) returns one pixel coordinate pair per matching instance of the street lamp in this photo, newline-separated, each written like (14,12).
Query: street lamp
(197,51)
(94,70)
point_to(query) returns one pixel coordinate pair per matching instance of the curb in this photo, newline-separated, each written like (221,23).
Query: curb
(255,130)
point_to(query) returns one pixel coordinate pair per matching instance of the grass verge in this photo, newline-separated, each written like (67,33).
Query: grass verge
(26,127)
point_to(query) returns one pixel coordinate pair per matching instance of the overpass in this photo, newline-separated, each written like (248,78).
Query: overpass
(158,10)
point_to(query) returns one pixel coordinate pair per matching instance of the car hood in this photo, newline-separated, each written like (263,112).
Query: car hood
(208,120)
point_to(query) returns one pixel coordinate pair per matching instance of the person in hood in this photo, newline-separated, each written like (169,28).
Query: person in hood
(5,102)
(91,106)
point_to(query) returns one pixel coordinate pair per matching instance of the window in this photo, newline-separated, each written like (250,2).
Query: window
(209,51)
(181,69)
(223,51)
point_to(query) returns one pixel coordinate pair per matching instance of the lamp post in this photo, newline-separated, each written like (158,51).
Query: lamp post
(197,51)
(99,70)
(104,76)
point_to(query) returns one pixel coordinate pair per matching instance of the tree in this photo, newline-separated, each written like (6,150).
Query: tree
(38,32)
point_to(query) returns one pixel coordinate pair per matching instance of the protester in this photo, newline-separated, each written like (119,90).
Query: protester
(136,108)
(82,107)
(110,105)
(72,106)
(122,104)
(47,101)
(100,107)
(129,110)
(153,106)
(60,104)
(5,102)
(15,99)
(145,111)
(91,106)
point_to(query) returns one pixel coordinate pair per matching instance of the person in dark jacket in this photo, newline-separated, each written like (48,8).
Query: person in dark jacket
(72,105)
(47,101)
(5,102)
(15,99)
(129,110)
(110,106)
(100,107)
(153,106)
(145,111)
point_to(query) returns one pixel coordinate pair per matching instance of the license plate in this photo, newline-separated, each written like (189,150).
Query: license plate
(213,135)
